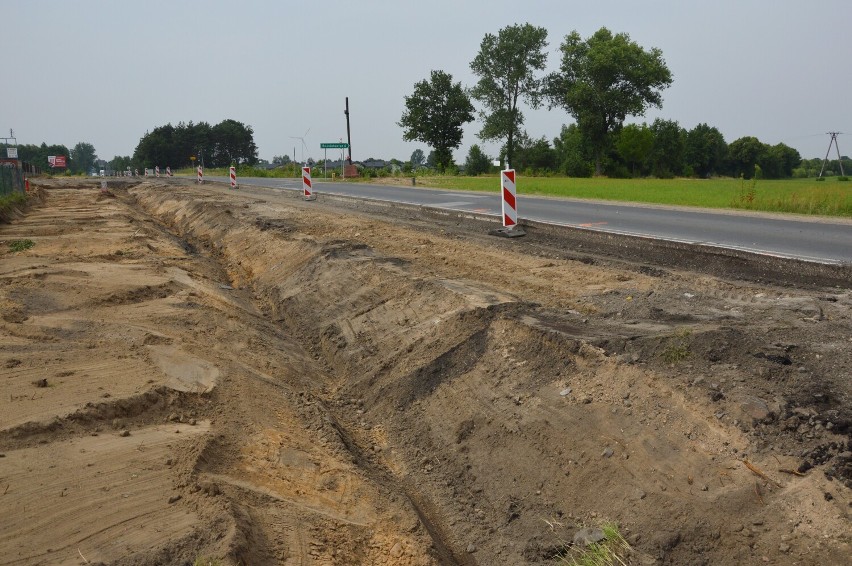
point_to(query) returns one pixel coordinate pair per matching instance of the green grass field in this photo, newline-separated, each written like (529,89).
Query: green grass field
(799,196)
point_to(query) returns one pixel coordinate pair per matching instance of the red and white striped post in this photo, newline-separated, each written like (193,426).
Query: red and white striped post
(157,171)
(233,171)
(200,175)
(510,204)
(307,186)
(168,171)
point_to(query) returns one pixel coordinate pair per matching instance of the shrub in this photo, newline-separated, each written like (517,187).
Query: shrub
(20,245)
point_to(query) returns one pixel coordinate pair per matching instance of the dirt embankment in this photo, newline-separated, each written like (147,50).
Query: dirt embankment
(190,373)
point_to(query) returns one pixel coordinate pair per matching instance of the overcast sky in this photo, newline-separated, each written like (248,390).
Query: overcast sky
(105,72)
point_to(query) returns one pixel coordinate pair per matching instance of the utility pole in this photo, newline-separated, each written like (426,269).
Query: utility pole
(348,134)
(833,140)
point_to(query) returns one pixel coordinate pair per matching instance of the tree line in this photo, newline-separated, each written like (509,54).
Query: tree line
(601,81)
(662,149)
(79,159)
(227,143)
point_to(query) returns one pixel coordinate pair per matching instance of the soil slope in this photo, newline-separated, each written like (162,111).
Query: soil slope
(194,375)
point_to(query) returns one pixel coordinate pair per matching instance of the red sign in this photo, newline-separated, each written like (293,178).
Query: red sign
(56,160)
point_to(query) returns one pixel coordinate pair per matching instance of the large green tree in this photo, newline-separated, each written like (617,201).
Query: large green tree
(418,158)
(572,152)
(506,65)
(83,158)
(634,145)
(120,163)
(534,154)
(233,144)
(604,79)
(778,161)
(435,114)
(668,148)
(743,154)
(706,150)
(477,162)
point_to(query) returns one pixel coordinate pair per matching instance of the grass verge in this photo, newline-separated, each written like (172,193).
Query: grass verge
(797,196)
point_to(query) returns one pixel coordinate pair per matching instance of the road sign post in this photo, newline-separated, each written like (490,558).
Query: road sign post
(333,145)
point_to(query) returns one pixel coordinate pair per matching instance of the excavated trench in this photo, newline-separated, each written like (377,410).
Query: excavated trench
(394,394)
(494,417)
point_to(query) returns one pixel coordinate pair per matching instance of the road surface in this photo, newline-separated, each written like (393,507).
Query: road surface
(820,240)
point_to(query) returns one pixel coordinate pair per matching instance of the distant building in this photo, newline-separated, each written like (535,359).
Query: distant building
(374,164)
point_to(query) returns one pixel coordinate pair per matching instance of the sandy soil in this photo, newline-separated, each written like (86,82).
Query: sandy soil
(192,375)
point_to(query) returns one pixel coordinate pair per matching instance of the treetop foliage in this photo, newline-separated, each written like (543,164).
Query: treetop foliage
(228,142)
(506,66)
(435,113)
(604,79)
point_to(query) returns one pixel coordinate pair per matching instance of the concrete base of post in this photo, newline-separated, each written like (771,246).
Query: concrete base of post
(512,232)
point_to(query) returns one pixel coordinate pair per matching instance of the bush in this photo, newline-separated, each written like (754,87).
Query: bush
(618,171)
(20,245)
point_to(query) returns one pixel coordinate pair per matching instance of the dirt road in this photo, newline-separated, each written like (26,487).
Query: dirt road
(195,376)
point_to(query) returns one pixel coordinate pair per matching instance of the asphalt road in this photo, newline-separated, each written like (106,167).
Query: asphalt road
(820,240)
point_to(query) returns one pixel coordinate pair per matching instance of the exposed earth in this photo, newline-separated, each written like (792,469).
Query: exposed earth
(196,375)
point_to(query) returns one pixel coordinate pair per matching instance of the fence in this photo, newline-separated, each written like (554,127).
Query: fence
(11,179)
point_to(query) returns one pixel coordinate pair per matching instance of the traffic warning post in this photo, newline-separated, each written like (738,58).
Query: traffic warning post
(510,203)
(233,172)
(509,200)
(307,186)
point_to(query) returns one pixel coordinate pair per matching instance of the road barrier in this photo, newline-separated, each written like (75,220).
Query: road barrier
(510,204)
(307,186)
(233,171)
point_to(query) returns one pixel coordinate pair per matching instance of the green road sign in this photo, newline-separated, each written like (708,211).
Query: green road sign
(334,145)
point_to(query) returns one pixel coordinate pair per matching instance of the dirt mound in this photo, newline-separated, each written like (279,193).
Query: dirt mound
(370,388)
